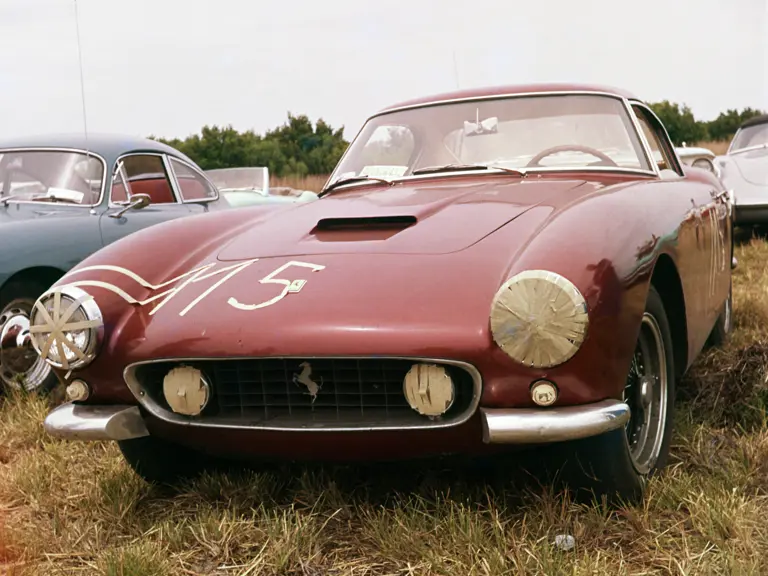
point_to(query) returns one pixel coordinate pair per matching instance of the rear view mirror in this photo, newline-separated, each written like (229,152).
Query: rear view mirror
(136,202)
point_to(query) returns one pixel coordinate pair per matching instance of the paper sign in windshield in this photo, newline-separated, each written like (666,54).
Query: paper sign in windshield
(383,171)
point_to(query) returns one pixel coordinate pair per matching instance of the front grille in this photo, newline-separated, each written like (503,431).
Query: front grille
(364,392)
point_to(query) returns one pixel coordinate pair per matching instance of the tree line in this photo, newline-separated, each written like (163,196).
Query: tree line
(301,148)
(683,126)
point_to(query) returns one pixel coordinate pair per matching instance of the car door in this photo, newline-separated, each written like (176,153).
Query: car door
(704,236)
(142,173)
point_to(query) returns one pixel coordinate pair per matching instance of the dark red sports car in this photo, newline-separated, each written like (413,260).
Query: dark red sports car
(507,266)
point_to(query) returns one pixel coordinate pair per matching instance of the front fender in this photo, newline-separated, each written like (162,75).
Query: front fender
(610,259)
(47,242)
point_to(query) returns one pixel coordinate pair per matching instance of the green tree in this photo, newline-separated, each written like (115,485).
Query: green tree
(725,125)
(679,121)
(295,148)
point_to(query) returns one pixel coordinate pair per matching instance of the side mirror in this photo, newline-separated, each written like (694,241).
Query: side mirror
(137,202)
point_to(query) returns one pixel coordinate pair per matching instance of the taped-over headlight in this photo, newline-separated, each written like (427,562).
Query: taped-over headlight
(539,318)
(66,327)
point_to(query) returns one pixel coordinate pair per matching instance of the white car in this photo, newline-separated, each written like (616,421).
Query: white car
(744,169)
(250,185)
(698,157)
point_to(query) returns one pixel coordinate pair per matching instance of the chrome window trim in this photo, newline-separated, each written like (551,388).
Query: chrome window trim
(171,181)
(502,96)
(64,149)
(664,135)
(625,101)
(197,171)
(160,413)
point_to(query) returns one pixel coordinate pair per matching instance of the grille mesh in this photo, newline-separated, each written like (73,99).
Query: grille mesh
(259,390)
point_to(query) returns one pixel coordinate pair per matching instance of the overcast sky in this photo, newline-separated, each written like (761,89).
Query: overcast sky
(167,67)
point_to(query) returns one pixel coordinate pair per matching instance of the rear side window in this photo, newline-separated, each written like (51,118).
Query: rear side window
(192,184)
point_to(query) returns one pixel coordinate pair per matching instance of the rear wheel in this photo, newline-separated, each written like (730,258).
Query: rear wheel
(20,365)
(616,465)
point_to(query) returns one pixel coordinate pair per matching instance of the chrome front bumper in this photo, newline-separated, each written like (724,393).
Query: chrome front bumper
(83,422)
(500,426)
(544,425)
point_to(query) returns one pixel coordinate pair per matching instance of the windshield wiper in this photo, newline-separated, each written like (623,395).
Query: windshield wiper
(750,148)
(350,180)
(461,167)
(52,198)
(4,199)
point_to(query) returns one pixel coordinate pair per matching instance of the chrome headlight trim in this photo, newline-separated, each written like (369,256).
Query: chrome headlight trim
(67,327)
(539,318)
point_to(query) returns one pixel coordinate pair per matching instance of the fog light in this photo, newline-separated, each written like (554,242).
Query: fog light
(544,392)
(429,389)
(78,391)
(186,390)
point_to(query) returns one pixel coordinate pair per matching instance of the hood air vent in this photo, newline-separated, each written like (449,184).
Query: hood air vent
(363,228)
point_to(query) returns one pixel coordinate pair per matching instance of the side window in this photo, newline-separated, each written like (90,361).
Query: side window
(143,174)
(659,152)
(191,184)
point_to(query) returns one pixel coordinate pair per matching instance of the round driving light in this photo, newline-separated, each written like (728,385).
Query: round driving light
(66,327)
(429,389)
(186,390)
(544,392)
(78,391)
(539,318)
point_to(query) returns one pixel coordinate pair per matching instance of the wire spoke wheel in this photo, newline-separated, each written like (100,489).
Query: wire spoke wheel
(647,394)
(20,366)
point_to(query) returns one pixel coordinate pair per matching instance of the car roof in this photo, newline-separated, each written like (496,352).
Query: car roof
(756,121)
(490,91)
(110,146)
(693,150)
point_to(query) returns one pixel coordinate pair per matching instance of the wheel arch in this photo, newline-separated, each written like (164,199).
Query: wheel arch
(42,275)
(666,280)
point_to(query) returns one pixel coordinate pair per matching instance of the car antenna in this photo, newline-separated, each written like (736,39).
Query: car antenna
(82,81)
(455,70)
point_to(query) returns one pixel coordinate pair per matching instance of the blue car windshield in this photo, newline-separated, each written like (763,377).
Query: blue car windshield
(51,175)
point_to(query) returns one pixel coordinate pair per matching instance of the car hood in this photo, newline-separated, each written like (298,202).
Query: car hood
(423,218)
(752,165)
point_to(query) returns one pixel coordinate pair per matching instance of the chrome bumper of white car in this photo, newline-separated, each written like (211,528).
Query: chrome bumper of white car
(500,425)
(82,422)
(545,425)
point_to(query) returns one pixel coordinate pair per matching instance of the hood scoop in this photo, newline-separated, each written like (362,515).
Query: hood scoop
(361,228)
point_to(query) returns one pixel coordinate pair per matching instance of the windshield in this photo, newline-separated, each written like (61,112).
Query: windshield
(74,177)
(239,178)
(524,132)
(750,136)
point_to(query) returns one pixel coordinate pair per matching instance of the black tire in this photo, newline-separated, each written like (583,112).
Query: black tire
(605,466)
(724,325)
(15,299)
(161,462)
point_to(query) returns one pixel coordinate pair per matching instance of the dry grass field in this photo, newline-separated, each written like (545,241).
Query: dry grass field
(74,508)
(314,182)
(718,147)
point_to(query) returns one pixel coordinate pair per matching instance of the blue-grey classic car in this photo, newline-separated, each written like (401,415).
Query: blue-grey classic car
(63,198)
